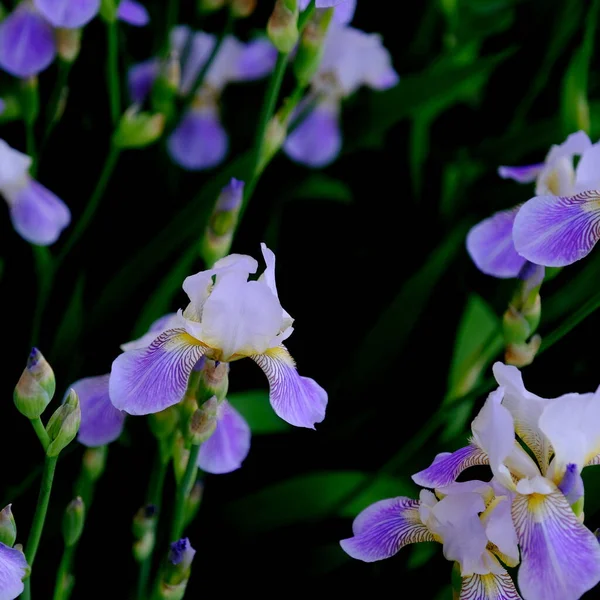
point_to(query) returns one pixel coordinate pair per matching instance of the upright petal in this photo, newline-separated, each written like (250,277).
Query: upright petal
(141,78)
(447,466)
(101,422)
(491,247)
(560,557)
(317,141)
(199,142)
(226,449)
(194,52)
(27,44)
(268,277)
(385,527)
(500,530)
(13,567)
(587,174)
(151,379)
(300,401)
(575,145)
(556,231)
(525,174)
(491,586)
(133,13)
(69,14)
(37,214)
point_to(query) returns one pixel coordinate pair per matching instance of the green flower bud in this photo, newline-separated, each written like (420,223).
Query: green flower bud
(144,520)
(214,381)
(68,44)
(166,86)
(532,313)
(64,424)
(515,327)
(180,456)
(73,521)
(138,129)
(162,424)
(310,50)
(241,9)
(521,355)
(8,527)
(283,25)
(142,548)
(36,386)
(275,135)
(203,422)
(94,462)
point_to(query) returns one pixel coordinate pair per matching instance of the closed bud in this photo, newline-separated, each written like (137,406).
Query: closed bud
(163,423)
(181,555)
(138,129)
(94,462)
(310,50)
(283,25)
(521,355)
(274,137)
(73,521)
(532,312)
(64,424)
(36,386)
(144,520)
(193,501)
(68,44)
(214,381)
(203,422)
(515,327)
(208,6)
(142,548)
(8,527)
(180,456)
(242,8)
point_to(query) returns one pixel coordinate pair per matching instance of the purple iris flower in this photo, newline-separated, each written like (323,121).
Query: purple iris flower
(13,568)
(344,9)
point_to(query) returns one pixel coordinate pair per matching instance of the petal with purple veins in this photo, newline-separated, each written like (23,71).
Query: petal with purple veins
(489,587)
(133,13)
(69,14)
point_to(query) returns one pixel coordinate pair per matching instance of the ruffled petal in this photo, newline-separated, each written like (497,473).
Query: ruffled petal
(226,449)
(556,231)
(69,14)
(300,401)
(13,567)
(489,587)
(525,174)
(383,528)
(133,13)
(151,379)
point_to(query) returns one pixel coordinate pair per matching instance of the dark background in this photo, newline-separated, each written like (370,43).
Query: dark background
(376,320)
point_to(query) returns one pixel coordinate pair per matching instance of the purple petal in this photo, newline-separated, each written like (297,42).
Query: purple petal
(490,245)
(383,528)
(489,587)
(256,60)
(344,12)
(199,142)
(525,174)
(101,422)
(327,3)
(151,379)
(556,231)
(133,13)
(317,141)
(228,446)
(12,570)
(27,44)
(300,401)
(140,79)
(560,557)
(447,466)
(571,484)
(69,14)
(38,215)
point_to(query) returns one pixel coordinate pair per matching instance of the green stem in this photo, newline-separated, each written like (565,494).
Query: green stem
(112,71)
(182,492)
(30,145)
(45,273)
(61,588)
(52,116)
(92,205)
(172,12)
(40,430)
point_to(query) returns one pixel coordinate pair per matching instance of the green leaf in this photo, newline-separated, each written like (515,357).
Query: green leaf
(312,497)
(324,187)
(421,554)
(255,407)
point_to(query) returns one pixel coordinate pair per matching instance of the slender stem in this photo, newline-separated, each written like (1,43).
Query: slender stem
(112,71)
(52,112)
(92,205)
(40,430)
(30,144)
(182,492)
(61,587)
(172,14)
(45,273)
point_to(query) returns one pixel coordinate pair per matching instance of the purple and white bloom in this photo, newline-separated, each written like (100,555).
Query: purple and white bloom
(36,213)
(228,318)
(544,233)
(13,569)
(351,59)
(470,519)
(344,9)
(560,557)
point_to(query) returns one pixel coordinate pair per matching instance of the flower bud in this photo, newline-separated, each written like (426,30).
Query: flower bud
(73,521)
(214,381)
(283,25)
(521,355)
(180,456)
(515,327)
(144,520)
(274,137)
(532,313)
(8,527)
(163,423)
(207,6)
(142,548)
(64,424)
(193,501)
(310,50)
(203,422)
(181,556)
(36,386)
(68,44)
(138,129)
(242,8)
(94,462)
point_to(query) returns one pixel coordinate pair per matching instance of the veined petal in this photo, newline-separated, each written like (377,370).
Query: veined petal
(151,379)
(226,449)
(525,174)
(491,247)
(560,557)
(491,586)
(13,567)
(447,466)
(70,14)
(594,461)
(556,231)
(101,422)
(383,528)
(300,401)
(133,13)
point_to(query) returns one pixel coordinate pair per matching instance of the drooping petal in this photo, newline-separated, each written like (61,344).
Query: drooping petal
(317,141)
(140,79)
(13,567)
(300,401)
(37,214)
(557,231)
(14,168)
(560,557)
(101,422)
(587,174)
(226,449)
(27,44)
(383,528)
(447,466)
(491,586)
(151,379)
(199,142)
(69,14)
(491,247)
(133,13)
(256,60)
(525,174)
